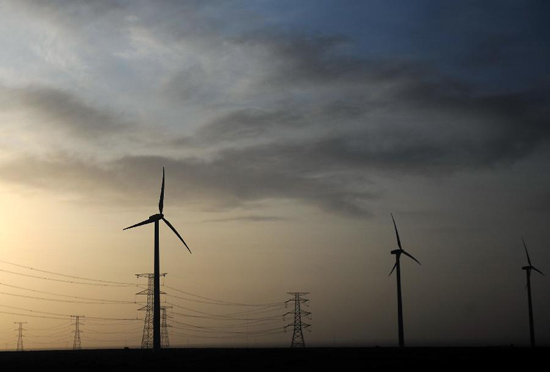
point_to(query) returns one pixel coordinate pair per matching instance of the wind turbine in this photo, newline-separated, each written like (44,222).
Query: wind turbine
(528,272)
(398,253)
(156,282)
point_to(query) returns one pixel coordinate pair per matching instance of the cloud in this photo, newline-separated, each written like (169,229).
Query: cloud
(221,184)
(62,110)
(323,153)
(280,116)
(249,219)
(68,11)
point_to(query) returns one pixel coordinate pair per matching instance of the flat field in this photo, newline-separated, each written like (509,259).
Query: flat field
(278,359)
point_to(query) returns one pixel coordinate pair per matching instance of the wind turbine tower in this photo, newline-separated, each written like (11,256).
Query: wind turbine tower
(397,268)
(156,295)
(528,270)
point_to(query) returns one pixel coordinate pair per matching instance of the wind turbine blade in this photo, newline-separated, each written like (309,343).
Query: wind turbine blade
(396,232)
(394,266)
(161,199)
(525,246)
(175,232)
(407,254)
(139,224)
(537,270)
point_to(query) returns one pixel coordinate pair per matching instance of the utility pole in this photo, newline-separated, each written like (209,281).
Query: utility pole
(298,325)
(76,343)
(20,338)
(147,340)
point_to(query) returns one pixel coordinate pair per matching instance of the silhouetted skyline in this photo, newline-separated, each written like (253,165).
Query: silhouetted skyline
(290,131)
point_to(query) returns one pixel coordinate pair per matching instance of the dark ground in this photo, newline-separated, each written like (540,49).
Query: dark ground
(312,359)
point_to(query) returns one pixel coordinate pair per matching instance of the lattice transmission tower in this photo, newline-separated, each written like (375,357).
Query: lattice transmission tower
(76,342)
(148,328)
(164,340)
(298,324)
(20,335)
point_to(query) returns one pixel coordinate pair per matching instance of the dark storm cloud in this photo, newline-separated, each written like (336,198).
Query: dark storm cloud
(331,170)
(233,179)
(62,110)
(451,129)
(248,219)
(512,127)
(452,126)
(314,123)
(226,182)
(246,124)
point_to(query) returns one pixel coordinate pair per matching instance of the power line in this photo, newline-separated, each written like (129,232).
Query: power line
(50,335)
(67,276)
(64,324)
(135,330)
(240,325)
(96,323)
(66,301)
(100,282)
(84,337)
(227,319)
(50,342)
(64,281)
(213,335)
(210,330)
(214,301)
(225,337)
(63,295)
(64,315)
(32,316)
(229,316)
(256,317)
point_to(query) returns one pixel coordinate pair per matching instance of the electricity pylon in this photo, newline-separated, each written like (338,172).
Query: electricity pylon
(147,340)
(164,340)
(20,337)
(298,334)
(76,343)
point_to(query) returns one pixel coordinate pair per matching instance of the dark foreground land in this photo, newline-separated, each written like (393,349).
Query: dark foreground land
(312,359)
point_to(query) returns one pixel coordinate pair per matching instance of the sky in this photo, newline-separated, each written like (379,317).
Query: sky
(289,132)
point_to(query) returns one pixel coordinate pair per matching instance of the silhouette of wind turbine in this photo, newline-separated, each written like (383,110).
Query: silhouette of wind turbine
(528,272)
(398,253)
(156,283)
